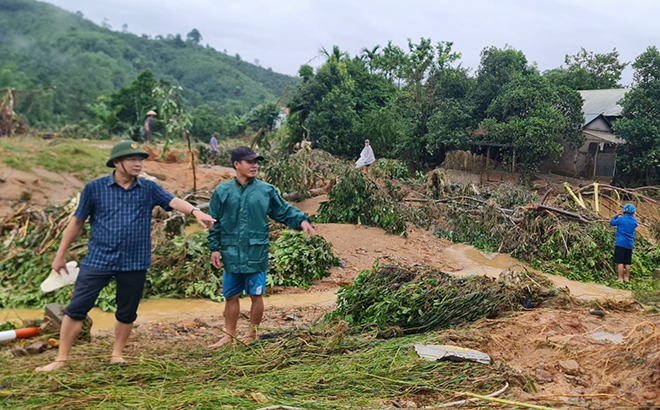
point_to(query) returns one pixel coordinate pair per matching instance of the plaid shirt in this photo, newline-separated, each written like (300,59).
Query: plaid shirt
(120,221)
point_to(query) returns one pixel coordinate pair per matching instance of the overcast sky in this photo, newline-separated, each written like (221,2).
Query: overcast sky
(285,34)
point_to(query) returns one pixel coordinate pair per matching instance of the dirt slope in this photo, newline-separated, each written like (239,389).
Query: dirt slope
(178,178)
(46,187)
(41,186)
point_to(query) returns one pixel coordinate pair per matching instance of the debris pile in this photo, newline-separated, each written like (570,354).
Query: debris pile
(303,174)
(567,234)
(30,238)
(357,199)
(298,261)
(181,263)
(418,298)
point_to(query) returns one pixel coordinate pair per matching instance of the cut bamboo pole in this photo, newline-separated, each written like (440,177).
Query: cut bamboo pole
(578,201)
(596,203)
(466,401)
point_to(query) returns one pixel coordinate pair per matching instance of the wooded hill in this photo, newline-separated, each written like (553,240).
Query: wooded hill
(73,60)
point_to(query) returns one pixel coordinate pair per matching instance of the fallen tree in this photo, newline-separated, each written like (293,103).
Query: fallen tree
(303,174)
(564,235)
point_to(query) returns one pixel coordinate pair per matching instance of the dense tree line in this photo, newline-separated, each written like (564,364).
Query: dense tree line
(123,113)
(640,125)
(417,103)
(69,61)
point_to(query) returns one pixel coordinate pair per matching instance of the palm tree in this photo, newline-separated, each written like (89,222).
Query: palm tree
(371,56)
(336,55)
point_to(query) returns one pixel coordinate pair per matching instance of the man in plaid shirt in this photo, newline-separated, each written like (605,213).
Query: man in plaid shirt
(119,207)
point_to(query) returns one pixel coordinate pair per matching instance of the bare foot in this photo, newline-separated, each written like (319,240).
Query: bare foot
(225,341)
(56,365)
(117,359)
(250,337)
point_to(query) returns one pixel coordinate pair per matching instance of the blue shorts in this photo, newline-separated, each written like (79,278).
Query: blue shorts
(252,284)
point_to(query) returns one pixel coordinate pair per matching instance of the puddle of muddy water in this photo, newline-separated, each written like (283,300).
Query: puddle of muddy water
(178,309)
(475,262)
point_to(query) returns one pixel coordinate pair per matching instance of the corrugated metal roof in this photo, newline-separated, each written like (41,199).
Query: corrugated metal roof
(603,136)
(602,101)
(590,117)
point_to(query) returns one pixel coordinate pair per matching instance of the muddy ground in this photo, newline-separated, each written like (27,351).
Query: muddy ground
(570,358)
(576,359)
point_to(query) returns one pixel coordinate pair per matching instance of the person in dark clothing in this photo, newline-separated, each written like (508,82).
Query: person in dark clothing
(239,241)
(626,224)
(119,207)
(149,126)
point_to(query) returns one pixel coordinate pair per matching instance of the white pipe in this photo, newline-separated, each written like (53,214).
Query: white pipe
(7,335)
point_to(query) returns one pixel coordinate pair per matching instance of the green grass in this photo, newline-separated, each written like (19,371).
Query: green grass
(86,160)
(304,369)
(648,296)
(5,145)
(16,162)
(60,155)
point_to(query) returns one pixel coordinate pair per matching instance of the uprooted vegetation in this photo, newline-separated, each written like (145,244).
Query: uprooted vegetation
(364,357)
(336,366)
(181,263)
(557,234)
(566,237)
(302,174)
(357,199)
(319,368)
(403,299)
(297,260)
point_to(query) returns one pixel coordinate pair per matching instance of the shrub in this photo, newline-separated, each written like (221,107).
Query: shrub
(298,261)
(390,169)
(356,199)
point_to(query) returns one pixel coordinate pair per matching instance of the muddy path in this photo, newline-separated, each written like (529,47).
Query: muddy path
(474,262)
(164,310)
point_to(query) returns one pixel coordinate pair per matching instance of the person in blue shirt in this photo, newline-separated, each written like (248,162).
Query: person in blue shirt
(625,223)
(119,207)
(213,147)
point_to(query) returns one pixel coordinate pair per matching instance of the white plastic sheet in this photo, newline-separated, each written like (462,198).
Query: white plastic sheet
(367,157)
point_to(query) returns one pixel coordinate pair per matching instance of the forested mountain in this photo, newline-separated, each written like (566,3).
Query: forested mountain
(73,61)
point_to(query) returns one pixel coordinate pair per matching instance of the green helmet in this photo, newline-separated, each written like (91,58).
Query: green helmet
(125,149)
